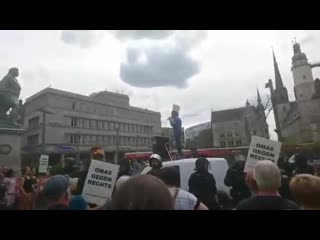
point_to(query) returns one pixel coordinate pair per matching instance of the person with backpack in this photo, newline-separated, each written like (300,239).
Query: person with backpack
(203,185)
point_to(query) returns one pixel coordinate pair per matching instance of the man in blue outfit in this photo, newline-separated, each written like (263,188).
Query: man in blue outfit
(176,124)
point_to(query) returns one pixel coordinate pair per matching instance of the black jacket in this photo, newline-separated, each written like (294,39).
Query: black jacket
(203,186)
(236,179)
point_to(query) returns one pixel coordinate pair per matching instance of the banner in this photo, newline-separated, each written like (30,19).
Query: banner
(100,182)
(43,164)
(262,149)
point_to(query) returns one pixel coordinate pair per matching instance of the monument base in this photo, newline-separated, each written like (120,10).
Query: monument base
(10,144)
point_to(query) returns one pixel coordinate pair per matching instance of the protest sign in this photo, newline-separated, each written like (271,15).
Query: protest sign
(100,182)
(43,164)
(262,149)
(176,108)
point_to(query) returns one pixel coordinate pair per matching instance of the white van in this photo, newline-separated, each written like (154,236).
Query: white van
(218,167)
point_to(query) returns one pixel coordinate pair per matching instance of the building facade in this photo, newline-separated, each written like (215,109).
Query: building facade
(192,132)
(235,127)
(63,122)
(297,121)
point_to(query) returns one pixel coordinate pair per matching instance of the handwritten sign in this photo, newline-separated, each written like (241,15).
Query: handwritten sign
(43,164)
(262,149)
(100,182)
(176,108)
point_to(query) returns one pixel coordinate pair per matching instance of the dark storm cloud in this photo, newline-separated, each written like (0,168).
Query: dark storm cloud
(162,67)
(82,38)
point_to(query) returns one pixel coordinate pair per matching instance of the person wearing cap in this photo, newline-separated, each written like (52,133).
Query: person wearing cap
(155,162)
(57,192)
(176,124)
(78,203)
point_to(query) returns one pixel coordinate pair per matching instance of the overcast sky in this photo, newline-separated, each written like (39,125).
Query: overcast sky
(198,70)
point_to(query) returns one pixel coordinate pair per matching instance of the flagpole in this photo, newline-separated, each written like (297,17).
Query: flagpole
(211,128)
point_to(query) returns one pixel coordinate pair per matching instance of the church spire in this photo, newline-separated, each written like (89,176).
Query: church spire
(247,103)
(278,79)
(258,96)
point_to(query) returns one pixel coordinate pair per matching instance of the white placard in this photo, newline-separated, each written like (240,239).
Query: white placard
(100,182)
(262,149)
(176,108)
(43,164)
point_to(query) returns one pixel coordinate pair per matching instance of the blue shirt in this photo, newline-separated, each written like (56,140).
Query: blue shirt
(176,124)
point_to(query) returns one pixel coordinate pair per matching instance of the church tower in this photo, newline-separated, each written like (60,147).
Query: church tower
(302,75)
(280,94)
(260,107)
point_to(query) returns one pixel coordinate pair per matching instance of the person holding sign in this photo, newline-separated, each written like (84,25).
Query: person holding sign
(176,124)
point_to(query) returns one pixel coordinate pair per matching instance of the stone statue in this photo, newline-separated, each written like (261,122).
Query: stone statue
(9,96)
(17,113)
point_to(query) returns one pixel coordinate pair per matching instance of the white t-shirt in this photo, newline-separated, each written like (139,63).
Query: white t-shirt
(11,190)
(184,200)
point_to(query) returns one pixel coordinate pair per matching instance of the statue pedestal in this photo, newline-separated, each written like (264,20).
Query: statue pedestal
(10,144)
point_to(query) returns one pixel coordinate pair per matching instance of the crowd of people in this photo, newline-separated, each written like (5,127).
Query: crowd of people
(268,187)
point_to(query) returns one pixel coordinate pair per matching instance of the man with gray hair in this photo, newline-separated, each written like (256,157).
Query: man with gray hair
(268,179)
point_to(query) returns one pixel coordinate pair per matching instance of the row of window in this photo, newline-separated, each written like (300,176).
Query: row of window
(231,143)
(34,122)
(110,111)
(108,140)
(107,125)
(33,139)
(222,135)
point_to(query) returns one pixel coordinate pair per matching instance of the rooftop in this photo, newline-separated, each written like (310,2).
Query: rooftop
(229,114)
(94,98)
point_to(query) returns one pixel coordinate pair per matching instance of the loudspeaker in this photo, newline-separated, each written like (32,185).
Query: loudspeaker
(159,146)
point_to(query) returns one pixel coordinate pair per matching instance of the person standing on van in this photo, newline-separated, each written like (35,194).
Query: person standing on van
(203,185)
(176,124)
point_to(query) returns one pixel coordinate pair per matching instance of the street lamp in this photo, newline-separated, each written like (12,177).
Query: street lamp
(78,146)
(117,145)
(44,120)
(137,139)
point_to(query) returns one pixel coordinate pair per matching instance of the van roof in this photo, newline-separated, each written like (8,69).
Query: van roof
(192,160)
